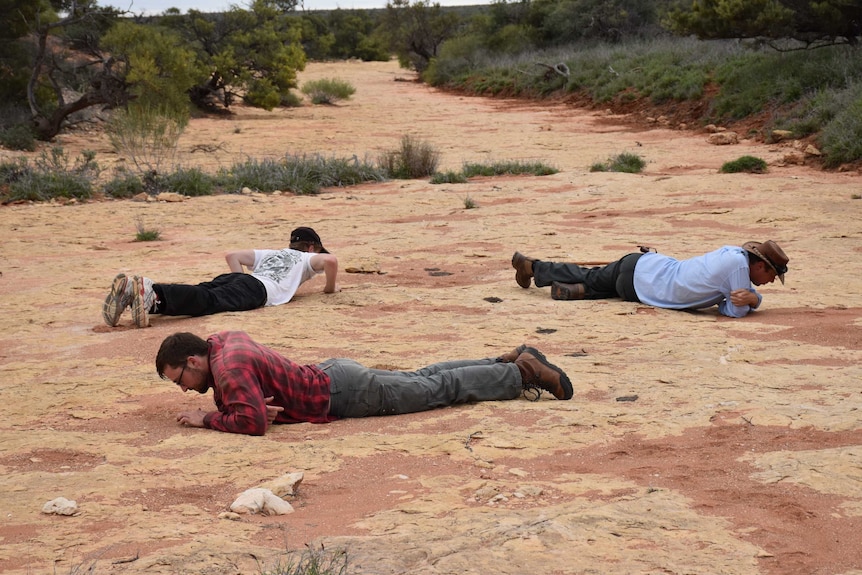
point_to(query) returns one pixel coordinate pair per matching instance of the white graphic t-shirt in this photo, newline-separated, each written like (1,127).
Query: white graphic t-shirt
(282,272)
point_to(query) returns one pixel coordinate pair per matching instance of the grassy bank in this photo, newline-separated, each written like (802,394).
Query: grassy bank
(807,92)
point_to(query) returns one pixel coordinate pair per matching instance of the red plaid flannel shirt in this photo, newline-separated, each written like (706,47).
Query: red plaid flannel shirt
(244,372)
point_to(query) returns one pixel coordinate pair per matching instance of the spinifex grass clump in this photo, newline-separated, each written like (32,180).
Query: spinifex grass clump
(508,168)
(748,164)
(328,90)
(625,162)
(301,174)
(503,168)
(415,159)
(188,182)
(448,177)
(145,234)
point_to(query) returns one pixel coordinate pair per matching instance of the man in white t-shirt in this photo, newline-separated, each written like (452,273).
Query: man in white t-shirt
(273,278)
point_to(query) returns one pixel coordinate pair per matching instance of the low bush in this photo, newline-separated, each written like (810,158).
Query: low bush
(145,234)
(123,185)
(328,90)
(625,162)
(508,168)
(52,175)
(415,159)
(188,182)
(841,138)
(301,174)
(449,177)
(748,164)
(18,137)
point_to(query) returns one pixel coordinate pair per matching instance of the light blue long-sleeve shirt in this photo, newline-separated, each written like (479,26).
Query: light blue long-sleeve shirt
(698,282)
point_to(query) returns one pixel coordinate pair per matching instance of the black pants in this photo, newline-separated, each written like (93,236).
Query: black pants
(227,292)
(613,280)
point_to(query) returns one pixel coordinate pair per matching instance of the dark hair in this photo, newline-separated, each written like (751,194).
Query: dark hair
(753,259)
(176,349)
(303,246)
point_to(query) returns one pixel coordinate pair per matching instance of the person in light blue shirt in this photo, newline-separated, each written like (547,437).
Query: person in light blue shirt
(723,277)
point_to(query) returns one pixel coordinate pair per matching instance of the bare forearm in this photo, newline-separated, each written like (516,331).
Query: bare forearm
(330,269)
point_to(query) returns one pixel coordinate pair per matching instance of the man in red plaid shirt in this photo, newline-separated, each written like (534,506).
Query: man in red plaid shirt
(254,386)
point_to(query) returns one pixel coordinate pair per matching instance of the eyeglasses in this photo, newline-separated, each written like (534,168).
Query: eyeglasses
(178,380)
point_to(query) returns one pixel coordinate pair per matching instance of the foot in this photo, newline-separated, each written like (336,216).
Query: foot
(523,269)
(143,299)
(563,291)
(118,300)
(537,373)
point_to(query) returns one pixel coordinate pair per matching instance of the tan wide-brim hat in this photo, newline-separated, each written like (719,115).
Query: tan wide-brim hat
(773,255)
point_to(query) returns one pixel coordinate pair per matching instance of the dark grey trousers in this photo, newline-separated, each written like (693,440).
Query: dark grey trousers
(357,391)
(613,280)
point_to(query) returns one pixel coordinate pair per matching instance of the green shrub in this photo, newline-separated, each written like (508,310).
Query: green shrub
(748,164)
(508,168)
(123,185)
(449,177)
(469,203)
(328,90)
(18,137)
(13,170)
(841,138)
(301,174)
(146,235)
(188,182)
(415,159)
(625,162)
(44,186)
(291,100)
(52,175)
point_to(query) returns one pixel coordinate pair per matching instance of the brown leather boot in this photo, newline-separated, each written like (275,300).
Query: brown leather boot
(538,373)
(559,290)
(512,355)
(523,269)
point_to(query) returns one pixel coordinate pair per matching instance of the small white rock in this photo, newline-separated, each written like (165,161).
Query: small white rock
(60,506)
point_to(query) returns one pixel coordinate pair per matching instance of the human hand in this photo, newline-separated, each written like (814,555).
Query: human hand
(741,297)
(272,411)
(192,418)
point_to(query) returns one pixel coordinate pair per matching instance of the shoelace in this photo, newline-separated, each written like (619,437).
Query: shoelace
(530,389)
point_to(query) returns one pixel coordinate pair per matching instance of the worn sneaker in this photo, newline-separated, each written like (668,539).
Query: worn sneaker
(118,299)
(143,299)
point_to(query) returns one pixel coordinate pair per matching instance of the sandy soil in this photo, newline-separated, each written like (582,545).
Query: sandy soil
(694,443)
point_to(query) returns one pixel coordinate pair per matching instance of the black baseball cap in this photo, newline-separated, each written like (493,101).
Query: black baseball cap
(304,234)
